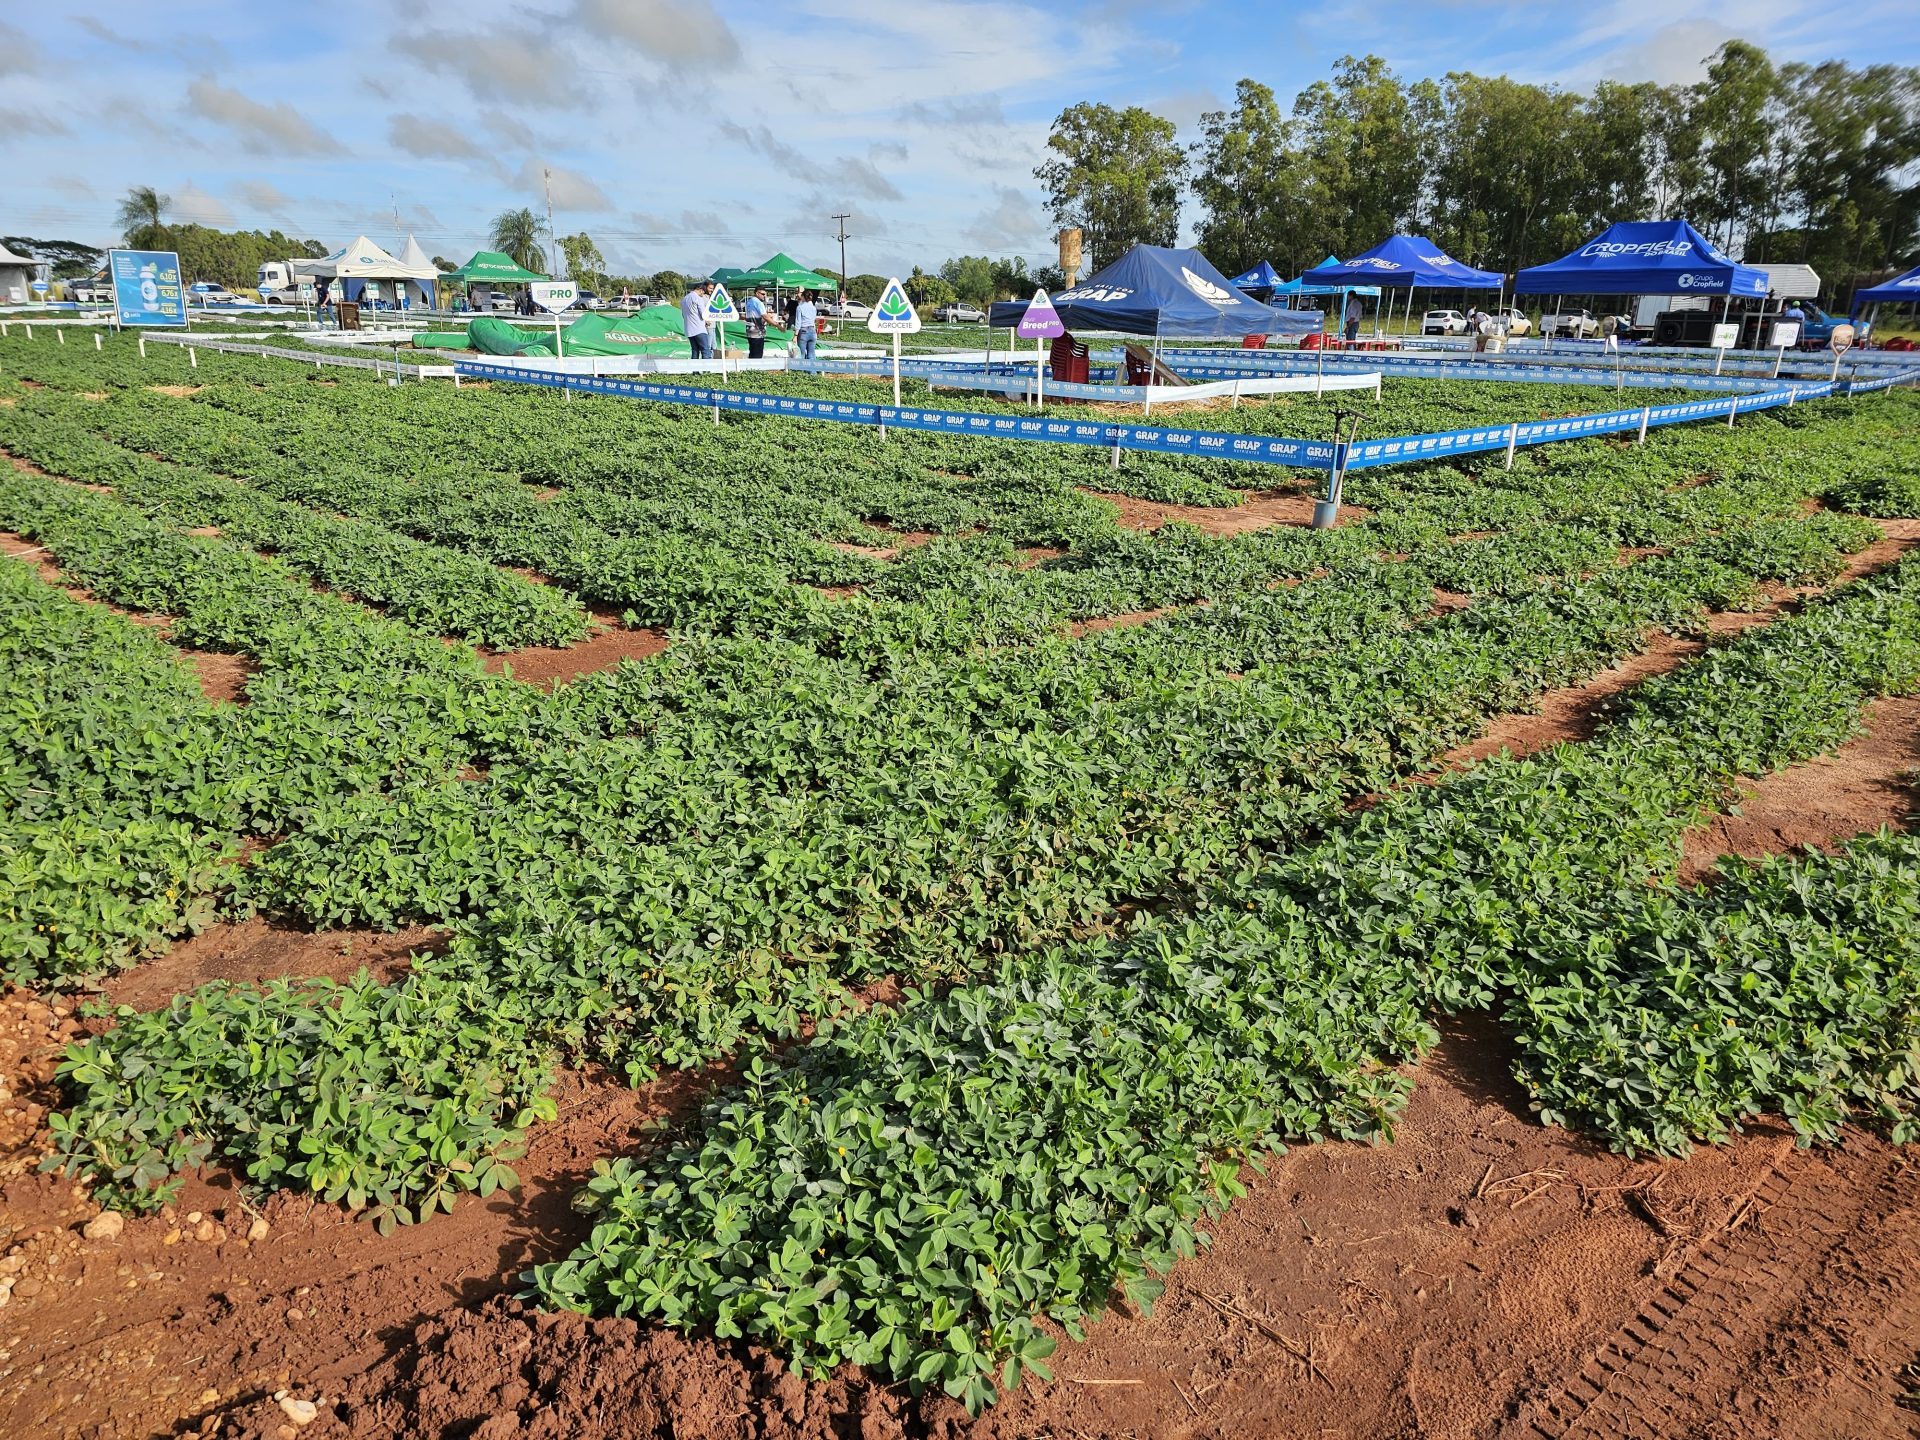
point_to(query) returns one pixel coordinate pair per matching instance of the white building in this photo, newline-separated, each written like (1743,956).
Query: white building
(17,274)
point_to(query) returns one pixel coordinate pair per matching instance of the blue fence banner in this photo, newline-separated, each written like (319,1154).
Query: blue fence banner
(1179,440)
(147,288)
(1161,439)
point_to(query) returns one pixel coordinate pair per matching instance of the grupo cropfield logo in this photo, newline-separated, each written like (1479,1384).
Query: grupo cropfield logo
(1689,280)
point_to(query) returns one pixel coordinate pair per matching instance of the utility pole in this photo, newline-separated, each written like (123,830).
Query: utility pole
(842,220)
(553,241)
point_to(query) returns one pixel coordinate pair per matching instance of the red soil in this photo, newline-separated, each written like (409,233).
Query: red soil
(1256,512)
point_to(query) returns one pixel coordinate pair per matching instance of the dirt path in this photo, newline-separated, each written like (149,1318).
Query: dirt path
(1480,1276)
(1256,512)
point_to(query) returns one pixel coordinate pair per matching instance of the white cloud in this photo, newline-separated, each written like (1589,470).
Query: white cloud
(509,65)
(1674,54)
(435,139)
(570,189)
(850,175)
(1012,222)
(683,33)
(263,196)
(19,54)
(509,129)
(197,207)
(29,122)
(275,129)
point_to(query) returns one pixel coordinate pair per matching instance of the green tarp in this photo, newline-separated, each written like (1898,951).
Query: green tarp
(441,340)
(652,331)
(496,337)
(655,330)
(490,267)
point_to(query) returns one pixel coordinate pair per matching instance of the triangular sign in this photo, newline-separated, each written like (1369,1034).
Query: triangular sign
(1042,321)
(893,313)
(720,305)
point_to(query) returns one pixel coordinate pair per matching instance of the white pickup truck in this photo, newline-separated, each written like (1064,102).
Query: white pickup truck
(286,282)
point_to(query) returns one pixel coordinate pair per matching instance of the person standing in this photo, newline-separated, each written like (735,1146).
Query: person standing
(693,320)
(806,325)
(1353,318)
(753,311)
(1610,331)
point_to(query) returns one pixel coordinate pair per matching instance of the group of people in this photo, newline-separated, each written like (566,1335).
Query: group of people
(801,315)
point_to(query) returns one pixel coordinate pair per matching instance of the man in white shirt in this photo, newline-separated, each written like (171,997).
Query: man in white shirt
(693,320)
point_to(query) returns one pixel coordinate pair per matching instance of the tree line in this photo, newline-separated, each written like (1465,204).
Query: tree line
(1774,162)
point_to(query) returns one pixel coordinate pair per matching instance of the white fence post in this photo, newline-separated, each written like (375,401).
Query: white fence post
(1646,414)
(1513,439)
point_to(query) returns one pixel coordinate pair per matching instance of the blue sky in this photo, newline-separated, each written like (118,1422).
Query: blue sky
(694,133)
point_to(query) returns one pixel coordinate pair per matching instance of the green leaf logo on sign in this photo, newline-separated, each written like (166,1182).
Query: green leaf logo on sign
(720,305)
(894,314)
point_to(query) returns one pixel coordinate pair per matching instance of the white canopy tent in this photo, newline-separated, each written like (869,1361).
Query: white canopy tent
(352,266)
(419,287)
(17,274)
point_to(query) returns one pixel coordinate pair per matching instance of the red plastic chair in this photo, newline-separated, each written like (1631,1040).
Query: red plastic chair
(1067,360)
(1315,341)
(1253,342)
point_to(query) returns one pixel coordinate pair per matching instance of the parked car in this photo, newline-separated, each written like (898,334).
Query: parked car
(1443,322)
(1516,321)
(850,310)
(590,301)
(212,292)
(1572,324)
(960,314)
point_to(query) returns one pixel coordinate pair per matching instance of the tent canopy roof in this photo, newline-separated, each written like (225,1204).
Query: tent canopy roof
(1261,277)
(1301,287)
(1643,257)
(786,272)
(363,258)
(491,267)
(1154,290)
(1900,287)
(1413,261)
(413,256)
(7,257)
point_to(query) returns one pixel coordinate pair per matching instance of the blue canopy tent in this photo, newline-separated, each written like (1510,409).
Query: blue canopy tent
(1261,277)
(1299,286)
(1904,288)
(1643,257)
(1412,261)
(1166,293)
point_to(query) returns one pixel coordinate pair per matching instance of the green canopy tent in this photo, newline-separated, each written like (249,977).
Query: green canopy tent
(783,272)
(490,267)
